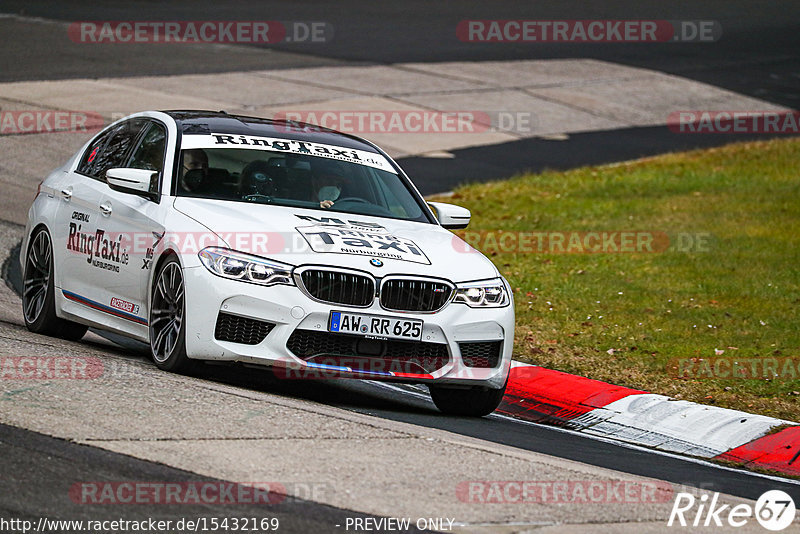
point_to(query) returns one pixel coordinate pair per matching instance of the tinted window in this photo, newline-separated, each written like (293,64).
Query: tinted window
(90,156)
(116,150)
(149,154)
(307,181)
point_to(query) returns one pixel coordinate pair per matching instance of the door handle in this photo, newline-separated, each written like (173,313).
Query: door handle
(66,193)
(105,208)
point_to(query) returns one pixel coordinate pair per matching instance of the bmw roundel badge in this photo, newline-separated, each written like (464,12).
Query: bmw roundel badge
(376,262)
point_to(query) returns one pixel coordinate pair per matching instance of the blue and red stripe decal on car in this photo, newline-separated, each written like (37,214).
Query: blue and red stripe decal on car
(351,370)
(103,308)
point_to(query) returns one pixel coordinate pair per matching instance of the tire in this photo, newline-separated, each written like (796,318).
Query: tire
(38,292)
(475,401)
(167,319)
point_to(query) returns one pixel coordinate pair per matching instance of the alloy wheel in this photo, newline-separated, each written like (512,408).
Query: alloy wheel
(37,276)
(166,316)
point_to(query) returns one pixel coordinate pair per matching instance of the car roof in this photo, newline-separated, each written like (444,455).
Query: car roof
(206,122)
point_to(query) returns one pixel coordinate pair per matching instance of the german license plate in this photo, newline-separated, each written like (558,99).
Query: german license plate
(374,326)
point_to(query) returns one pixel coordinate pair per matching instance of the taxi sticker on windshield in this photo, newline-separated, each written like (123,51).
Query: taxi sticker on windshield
(293,146)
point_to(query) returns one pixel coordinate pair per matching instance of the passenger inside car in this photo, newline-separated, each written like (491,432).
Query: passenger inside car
(260,179)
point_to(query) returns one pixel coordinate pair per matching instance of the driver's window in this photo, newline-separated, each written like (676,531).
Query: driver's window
(149,155)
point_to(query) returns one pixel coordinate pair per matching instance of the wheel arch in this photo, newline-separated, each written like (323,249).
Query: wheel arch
(27,248)
(35,229)
(168,253)
(176,359)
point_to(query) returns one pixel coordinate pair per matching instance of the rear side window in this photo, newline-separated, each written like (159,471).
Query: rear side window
(90,156)
(110,150)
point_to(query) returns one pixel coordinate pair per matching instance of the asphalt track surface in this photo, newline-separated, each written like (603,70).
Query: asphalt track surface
(410,404)
(757,56)
(38,472)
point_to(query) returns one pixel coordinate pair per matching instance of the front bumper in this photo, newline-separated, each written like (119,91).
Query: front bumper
(290,310)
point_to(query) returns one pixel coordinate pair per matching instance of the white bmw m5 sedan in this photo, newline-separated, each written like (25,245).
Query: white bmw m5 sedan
(219,237)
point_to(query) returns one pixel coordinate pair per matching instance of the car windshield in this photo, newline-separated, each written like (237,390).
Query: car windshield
(295,180)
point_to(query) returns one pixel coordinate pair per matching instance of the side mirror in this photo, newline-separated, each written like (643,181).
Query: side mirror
(451,216)
(133,181)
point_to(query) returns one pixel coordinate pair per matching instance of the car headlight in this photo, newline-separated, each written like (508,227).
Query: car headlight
(239,266)
(482,294)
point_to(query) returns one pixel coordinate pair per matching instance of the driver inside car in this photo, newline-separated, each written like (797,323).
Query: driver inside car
(327,184)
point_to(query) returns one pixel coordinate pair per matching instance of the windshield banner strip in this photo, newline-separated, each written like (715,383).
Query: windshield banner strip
(251,142)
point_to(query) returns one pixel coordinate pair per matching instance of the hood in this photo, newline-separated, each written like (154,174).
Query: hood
(299,236)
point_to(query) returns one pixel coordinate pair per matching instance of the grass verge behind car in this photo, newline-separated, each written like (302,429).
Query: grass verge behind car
(726,288)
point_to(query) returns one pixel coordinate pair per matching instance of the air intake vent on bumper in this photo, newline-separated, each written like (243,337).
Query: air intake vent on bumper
(482,354)
(241,329)
(392,354)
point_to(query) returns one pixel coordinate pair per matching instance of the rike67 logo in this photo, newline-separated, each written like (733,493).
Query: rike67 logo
(774,510)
